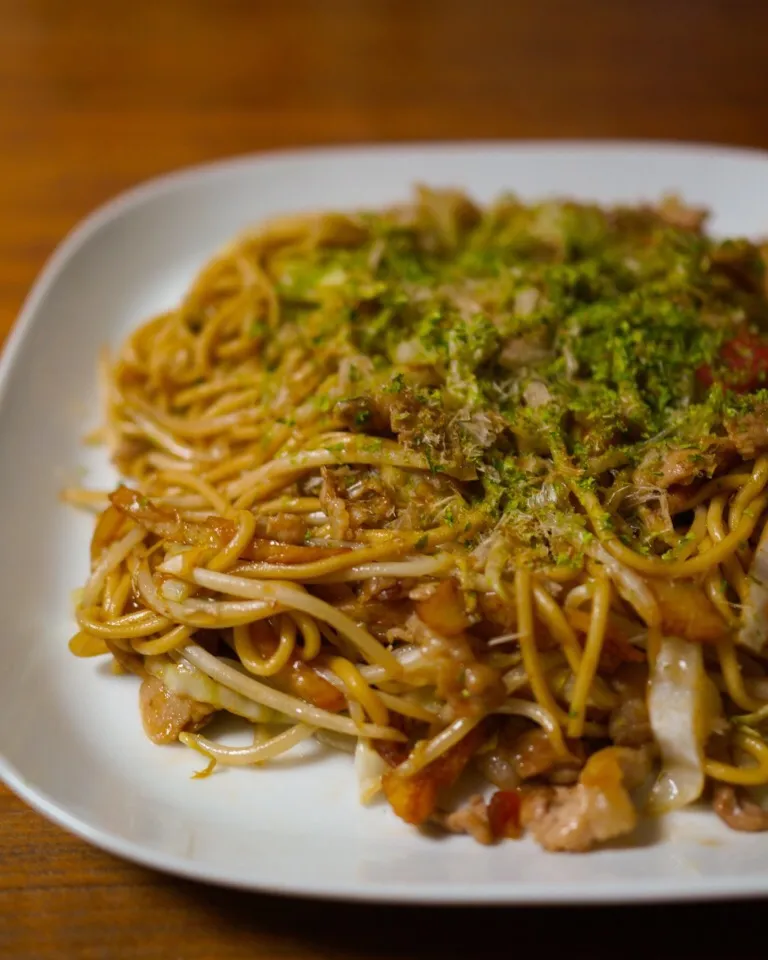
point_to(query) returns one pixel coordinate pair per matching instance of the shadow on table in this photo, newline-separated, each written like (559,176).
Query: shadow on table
(342,930)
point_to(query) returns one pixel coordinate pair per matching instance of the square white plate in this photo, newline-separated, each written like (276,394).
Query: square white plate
(71,742)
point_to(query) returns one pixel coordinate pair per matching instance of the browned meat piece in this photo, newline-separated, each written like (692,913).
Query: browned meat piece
(596,809)
(165,714)
(687,612)
(283,527)
(664,468)
(749,432)
(472,818)
(165,523)
(413,422)
(443,610)
(401,414)
(372,510)
(334,506)
(739,813)
(629,725)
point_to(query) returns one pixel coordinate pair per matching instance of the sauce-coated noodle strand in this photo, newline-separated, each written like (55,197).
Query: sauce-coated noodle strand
(245,756)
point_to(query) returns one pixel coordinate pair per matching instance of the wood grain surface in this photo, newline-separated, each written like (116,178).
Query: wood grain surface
(97,95)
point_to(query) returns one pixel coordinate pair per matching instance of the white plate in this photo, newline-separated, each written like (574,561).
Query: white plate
(70,734)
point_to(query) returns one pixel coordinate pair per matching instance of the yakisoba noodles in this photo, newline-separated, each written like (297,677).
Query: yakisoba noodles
(452,488)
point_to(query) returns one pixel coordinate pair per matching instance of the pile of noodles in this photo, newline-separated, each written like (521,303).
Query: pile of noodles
(286,550)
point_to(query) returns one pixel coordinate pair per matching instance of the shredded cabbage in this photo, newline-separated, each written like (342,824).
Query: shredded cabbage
(682,708)
(187,681)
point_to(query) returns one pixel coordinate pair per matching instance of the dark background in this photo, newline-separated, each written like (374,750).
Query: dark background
(96,95)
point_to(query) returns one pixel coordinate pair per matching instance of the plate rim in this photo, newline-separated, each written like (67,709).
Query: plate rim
(535,893)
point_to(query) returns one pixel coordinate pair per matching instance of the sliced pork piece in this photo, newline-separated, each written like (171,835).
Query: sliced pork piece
(165,715)
(472,818)
(596,809)
(739,813)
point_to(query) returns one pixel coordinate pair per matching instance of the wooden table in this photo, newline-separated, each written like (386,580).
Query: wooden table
(96,95)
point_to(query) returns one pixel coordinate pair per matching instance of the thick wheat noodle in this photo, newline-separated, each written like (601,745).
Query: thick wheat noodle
(281,702)
(243,535)
(250,657)
(358,689)
(439,566)
(589,661)
(112,557)
(197,613)
(559,628)
(427,751)
(116,597)
(734,682)
(166,440)
(84,644)
(713,584)
(293,598)
(754,775)
(657,567)
(245,756)
(166,642)
(406,707)
(728,482)
(319,568)
(130,626)
(309,632)
(752,488)
(523,600)
(525,625)
(188,479)
(716,530)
